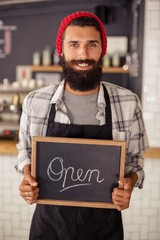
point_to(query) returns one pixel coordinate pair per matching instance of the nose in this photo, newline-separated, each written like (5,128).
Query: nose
(82,52)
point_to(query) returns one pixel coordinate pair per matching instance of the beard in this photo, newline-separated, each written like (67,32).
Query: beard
(82,80)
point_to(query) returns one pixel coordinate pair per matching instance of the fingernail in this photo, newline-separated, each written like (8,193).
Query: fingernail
(34,184)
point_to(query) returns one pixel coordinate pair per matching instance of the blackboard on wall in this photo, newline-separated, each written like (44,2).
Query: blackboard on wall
(77,172)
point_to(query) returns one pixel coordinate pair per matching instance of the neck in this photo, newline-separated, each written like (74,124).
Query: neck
(80,93)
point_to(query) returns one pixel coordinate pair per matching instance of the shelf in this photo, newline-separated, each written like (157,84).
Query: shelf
(12,90)
(58,68)
(55,68)
(152,152)
(8,147)
(115,70)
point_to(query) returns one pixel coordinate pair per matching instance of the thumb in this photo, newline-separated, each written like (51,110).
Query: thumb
(31,180)
(125,183)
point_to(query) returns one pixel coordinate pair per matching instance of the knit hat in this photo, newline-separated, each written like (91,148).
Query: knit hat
(72,16)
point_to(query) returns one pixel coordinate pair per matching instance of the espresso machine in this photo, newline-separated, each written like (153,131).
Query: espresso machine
(10,112)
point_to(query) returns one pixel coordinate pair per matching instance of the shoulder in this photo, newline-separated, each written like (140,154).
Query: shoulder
(39,98)
(41,95)
(118,93)
(44,93)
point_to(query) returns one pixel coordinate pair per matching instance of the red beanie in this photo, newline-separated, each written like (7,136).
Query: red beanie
(72,16)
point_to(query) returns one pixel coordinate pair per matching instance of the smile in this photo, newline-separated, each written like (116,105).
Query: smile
(83,66)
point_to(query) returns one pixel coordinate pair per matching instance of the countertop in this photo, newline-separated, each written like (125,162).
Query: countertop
(8,147)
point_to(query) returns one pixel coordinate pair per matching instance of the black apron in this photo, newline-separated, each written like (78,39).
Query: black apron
(77,223)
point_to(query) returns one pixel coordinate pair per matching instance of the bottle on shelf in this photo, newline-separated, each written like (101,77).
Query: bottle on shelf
(36,59)
(56,59)
(106,60)
(46,56)
(24,79)
(116,60)
(6,83)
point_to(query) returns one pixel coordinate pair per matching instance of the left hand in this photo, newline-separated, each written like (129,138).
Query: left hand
(121,195)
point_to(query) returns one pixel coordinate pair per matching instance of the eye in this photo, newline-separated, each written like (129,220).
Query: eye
(74,44)
(92,44)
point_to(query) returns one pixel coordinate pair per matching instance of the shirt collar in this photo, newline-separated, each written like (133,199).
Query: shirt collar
(57,97)
(101,99)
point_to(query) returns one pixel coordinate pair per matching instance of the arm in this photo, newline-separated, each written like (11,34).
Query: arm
(24,145)
(36,106)
(136,144)
(28,187)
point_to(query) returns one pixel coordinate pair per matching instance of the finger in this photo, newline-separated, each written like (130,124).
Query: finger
(31,180)
(117,204)
(120,199)
(120,205)
(121,193)
(31,201)
(30,198)
(28,183)
(125,183)
(25,188)
(29,193)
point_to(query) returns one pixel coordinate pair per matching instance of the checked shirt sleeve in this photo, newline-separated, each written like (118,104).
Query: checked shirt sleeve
(137,143)
(24,145)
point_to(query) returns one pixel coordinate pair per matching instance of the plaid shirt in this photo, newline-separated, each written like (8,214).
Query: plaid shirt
(127,122)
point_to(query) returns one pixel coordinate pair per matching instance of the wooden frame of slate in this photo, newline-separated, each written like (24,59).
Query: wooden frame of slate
(77,172)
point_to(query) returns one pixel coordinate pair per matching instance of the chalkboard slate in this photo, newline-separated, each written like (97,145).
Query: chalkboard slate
(77,172)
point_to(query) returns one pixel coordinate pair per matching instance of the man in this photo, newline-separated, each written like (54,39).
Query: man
(82,106)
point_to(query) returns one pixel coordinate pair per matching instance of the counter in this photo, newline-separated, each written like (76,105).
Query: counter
(8,147)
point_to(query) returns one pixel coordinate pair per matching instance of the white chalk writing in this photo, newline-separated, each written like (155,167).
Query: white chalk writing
(77,178)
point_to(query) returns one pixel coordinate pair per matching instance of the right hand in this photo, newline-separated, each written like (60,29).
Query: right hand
(29,189)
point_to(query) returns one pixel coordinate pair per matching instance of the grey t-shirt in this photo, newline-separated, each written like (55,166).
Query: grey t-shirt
(81,110)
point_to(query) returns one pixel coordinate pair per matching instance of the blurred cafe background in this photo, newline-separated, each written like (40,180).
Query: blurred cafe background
(28,60)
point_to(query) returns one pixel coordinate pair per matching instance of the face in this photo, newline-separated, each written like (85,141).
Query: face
(81,57)
(81,43)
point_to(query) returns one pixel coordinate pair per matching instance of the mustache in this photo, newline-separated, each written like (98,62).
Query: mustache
(87,61)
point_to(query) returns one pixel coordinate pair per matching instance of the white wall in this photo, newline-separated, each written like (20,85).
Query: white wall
(151,75)
(142,219)
(15,214)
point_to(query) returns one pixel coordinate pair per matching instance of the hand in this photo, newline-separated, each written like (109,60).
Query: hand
(121,195)
(29,189)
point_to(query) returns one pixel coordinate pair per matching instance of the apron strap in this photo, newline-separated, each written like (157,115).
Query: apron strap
(108,116)
(108,113)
